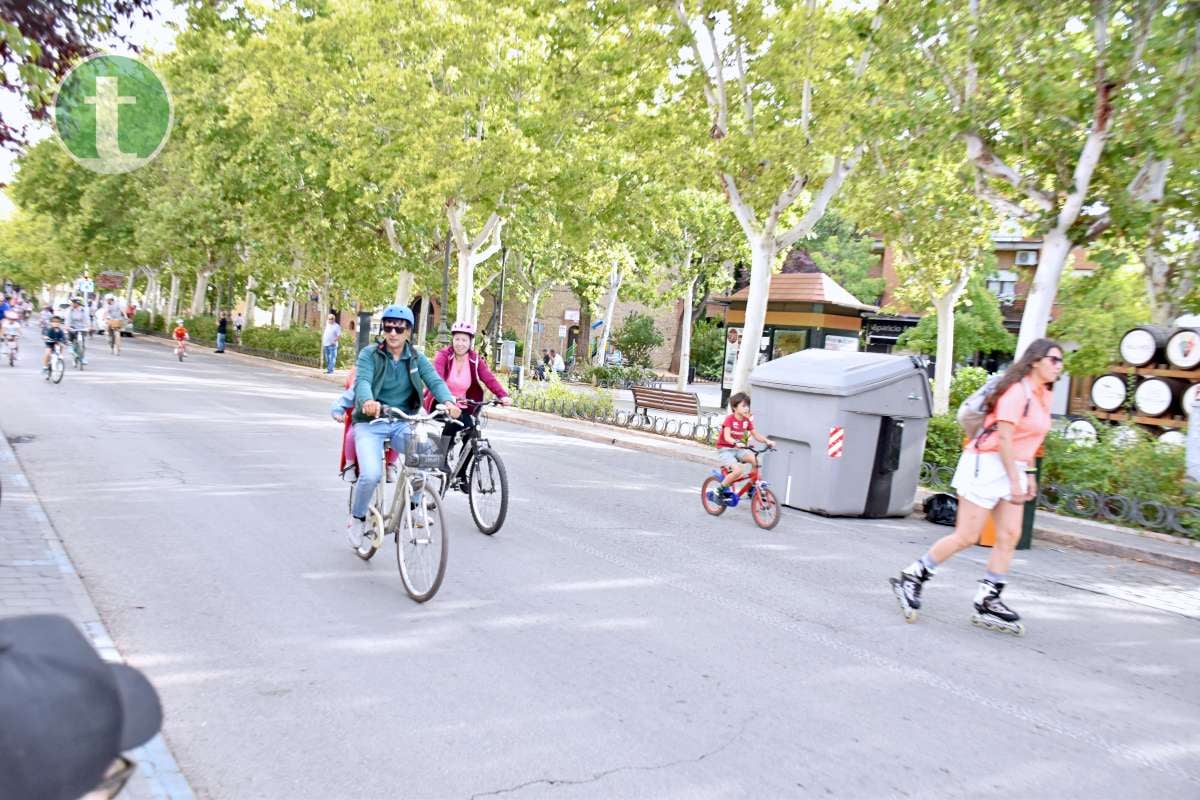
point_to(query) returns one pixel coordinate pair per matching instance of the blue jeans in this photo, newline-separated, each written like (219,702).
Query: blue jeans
(368,442)
(220,342)
(330,357)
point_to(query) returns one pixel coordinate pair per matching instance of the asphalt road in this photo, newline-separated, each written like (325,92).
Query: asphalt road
(612,641)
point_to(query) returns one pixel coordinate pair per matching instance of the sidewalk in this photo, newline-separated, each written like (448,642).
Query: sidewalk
(37,577)
(1145,546)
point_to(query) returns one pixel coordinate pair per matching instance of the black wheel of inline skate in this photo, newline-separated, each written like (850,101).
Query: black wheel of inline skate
(711,486)
(487,491)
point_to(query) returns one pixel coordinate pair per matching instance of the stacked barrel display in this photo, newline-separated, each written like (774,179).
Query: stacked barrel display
(1162,369)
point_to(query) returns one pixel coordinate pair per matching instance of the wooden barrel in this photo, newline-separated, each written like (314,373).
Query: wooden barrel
(1157,396)
(1178,438)
(1189,398)
(1108,392)
(1081,431)
(1183,348)
(1141,345)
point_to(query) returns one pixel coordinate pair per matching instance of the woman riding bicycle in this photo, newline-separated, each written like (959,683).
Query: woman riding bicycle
(466,375)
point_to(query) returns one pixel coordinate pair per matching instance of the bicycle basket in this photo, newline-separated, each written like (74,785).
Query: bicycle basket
(430,454)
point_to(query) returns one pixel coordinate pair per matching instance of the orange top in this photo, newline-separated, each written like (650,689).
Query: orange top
(179,332)
(1029,429)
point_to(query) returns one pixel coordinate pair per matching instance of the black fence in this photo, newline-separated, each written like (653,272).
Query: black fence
(1074,501)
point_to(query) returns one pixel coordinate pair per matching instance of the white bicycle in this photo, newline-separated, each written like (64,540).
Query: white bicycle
(415,515)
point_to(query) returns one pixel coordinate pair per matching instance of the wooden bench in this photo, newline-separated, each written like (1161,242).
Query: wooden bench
(670,400)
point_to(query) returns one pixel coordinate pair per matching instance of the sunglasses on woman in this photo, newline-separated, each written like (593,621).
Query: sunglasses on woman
(395,327)
(1055,359)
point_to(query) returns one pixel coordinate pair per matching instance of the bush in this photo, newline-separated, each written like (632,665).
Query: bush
(609,376)
(964,382)
(554,390)
(708,349)
(636,338)
(296,341)
(943,442)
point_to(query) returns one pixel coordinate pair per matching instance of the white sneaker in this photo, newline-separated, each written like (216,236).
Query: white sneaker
(359,533)
(392,472)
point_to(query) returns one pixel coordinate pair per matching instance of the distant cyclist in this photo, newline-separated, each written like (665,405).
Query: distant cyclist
(388,373)
(114,321)
(53,337)
(78,323)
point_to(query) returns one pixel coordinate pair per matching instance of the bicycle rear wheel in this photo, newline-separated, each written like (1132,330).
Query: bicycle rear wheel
(708,493)
(422,545)
(764,508)
(488,491)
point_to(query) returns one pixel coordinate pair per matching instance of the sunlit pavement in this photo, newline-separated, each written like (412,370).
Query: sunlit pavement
(611,641)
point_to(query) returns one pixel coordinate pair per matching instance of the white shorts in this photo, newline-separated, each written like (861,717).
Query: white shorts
(990,485)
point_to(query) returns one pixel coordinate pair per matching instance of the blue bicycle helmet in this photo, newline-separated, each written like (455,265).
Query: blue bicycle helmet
(398,312)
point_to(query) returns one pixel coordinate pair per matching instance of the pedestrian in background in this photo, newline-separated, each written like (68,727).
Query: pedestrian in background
(238,323)
(222,331)
(329,342)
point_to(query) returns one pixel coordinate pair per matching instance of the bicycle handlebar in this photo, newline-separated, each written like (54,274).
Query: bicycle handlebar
(393,413)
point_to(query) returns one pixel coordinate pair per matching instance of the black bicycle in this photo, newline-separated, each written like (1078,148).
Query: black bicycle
(474,468)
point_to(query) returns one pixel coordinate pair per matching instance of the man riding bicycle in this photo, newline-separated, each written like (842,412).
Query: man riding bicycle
(388,373)
(114,321)
(79,322)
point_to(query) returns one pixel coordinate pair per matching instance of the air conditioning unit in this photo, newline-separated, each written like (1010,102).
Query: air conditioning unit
(1027,258)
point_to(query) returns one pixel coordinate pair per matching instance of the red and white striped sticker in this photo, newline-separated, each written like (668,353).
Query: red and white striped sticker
(837,441)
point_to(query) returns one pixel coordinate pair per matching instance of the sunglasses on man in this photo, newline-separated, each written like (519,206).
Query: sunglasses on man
(395,327)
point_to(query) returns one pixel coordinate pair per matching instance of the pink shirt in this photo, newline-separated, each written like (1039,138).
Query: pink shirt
(459,379)
(1029,429)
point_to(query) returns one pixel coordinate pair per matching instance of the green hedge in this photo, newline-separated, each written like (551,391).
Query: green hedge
(297,341)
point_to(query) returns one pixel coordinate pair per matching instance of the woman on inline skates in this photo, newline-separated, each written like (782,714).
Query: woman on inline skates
(995,476)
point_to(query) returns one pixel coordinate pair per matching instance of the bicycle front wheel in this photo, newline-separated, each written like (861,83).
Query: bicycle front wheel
(488,491)
(422,545)
(57,368)
(764,508)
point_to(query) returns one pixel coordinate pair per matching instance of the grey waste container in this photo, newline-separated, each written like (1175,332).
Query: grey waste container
(849,429)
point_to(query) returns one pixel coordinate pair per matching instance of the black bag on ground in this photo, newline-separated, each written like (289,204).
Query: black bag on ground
(941,508)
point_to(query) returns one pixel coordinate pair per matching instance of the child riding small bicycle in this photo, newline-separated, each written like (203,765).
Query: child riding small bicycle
(737,459)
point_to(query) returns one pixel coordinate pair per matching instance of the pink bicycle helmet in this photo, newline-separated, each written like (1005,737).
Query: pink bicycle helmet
(463,327)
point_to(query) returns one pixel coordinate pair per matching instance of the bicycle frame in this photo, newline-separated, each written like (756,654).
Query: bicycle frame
(743,486)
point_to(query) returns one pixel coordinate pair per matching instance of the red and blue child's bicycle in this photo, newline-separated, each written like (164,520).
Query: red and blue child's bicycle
(763,505)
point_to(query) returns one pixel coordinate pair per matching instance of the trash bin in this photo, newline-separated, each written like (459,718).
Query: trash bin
(849,428)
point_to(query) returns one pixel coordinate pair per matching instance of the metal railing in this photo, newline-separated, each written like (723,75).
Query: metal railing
(1074,501)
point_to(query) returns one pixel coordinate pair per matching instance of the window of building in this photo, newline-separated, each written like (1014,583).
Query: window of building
(1003,284)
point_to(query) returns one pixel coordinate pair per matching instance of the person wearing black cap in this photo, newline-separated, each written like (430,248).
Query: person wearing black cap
(66,716)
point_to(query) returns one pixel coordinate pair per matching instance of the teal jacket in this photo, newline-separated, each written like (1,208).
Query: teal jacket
(399,383)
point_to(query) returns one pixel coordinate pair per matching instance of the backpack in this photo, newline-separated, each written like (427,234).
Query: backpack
(971,414)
